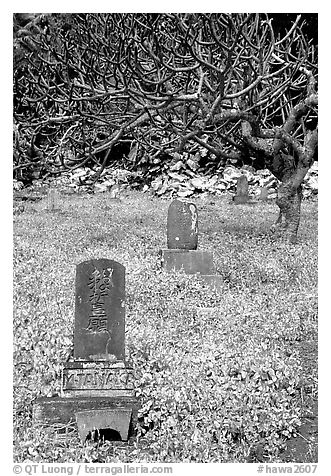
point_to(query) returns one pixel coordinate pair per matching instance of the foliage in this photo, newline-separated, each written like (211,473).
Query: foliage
(225,83)
(218,373)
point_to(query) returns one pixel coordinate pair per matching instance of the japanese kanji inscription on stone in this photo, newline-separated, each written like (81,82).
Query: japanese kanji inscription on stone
(99,311)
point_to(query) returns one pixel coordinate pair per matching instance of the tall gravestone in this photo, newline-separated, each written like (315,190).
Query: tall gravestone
(99,311)
(182,241)
(182,226)
(97,385)
(242,191)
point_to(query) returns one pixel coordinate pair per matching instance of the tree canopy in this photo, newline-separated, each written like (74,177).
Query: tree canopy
(239,85)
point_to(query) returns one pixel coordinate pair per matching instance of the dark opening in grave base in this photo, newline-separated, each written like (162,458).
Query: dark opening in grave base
(104,434)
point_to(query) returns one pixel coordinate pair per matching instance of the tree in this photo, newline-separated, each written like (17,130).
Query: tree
(226,82)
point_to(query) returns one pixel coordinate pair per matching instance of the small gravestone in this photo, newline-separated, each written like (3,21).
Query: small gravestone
(114,192)
(98,385)
(264,192)
(242,190)
(52,200)
(182,240)
(182,226)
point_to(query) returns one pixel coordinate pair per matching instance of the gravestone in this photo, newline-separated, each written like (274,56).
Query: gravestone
(182,241)
(264,192)
(98,385)
(99,311)
(242,191)
(182,226)
(52,200)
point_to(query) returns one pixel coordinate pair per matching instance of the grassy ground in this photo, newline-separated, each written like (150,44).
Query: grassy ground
(222,376)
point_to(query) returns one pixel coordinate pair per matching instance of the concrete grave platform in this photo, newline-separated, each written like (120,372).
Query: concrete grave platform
(98,411)
(189,261)
(117,420)
(241,199)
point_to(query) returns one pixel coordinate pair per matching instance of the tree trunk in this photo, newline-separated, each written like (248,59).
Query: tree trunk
(289,202)
(289,196)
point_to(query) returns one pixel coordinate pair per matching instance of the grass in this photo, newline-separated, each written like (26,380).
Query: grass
(220,374)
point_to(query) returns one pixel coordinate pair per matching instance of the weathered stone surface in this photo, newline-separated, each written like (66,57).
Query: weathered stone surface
(109,418)
(240,199)
(99,313)
(264,194)
(96,379)
(97,387)
(57,410)
(182,226)
(242,185)
(242,190)
(189,261)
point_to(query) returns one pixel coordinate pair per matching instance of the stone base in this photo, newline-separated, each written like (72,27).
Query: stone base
(97,379)
(115,419)
(115,413)
(241,199)
(189,261)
